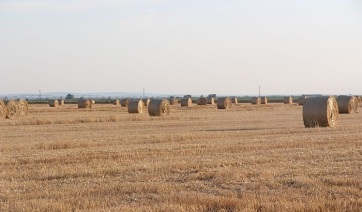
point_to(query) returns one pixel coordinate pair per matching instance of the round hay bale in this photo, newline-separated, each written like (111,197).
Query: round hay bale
(201,101)
(347,104)
(3,110)
(173,101)
(301,100)
(93,102)
(159,107)
(84,103)
(23,107)
(224,103)
(53,103)
(320,111)
(234,100)
(186,102)
(116,102)
(13,111)
(263,100)
(61,101)
(146,102)
(210,100)
(135,106)
(288,100)
(256,100)
(124,102)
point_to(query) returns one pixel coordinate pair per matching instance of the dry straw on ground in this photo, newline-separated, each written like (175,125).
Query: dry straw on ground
(13,111)
(186,102)
(321,111)
(135,106)
(53,103)
(159,107)
(256,100)
(288,100)
(347,104)
(210,100)
(3,110)
(201,101)
(224,103)
(23,107)
(84,103)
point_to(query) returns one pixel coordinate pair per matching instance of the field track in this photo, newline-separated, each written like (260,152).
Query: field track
(247,158)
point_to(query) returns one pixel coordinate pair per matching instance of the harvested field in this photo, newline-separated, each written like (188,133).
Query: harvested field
(247,158)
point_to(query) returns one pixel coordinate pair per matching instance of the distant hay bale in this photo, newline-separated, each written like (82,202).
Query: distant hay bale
(301,100)
(256,100)
(173,101)
(53,103)
(61,101)
(186,102)
(124,102)
(201,101)
(3,110)
(23,107)
(93,102)
(347,104)
(84,103)
(116,102)
(135,106)
(263,100)
(234,100)
(224,103)
(210,100)
(159,107)
(288,100)
(13,111)
(320,111)
(146,102)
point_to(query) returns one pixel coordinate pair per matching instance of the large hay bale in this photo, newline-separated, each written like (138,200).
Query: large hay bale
(288,100)
(23,107)
(124,102)
(256,100)
(13,111)
(116,102)
(263,100)
(3,110)
(347,104)
(61,101)
(186,102)
(301,100)
(224,103)
(135,106)
(146,101)
(201,101)
(159,107)
(53,103)
(234,100)
(93,101)
(320,111)
(210,100)
(173,101)
(85,103)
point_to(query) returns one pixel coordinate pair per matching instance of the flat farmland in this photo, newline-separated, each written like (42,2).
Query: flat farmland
(247,158)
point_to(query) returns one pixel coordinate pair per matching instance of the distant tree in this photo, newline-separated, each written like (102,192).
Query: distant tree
(69,96)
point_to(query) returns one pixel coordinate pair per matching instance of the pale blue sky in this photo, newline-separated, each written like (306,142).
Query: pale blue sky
(180,47)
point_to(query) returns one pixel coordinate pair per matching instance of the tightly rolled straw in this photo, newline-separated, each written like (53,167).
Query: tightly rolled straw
(146,102)
(61,101)
(224,103)
(116,102)
(124,102)
(288,100)
(347,104)
(173,101)
(3,110)
(53,103)
(23,107)
(263,100)
(256,100)
(234,100)
(201,101)
(135,106)
(210,100)
(84,103)
(301,100)
(320,111)
(159,107)
(186,102)
(93,102)
(13,111)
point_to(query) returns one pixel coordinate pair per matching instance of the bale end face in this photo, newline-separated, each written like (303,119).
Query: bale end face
(13,111)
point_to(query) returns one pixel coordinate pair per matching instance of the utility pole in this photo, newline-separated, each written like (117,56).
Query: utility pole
(259,90)
(143,94)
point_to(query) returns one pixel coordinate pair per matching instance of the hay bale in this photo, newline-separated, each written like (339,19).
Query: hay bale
(224,103)
(186,102)
(288,100)
(173,101)
(234,100)
(124,102)
(159,107)
(3,110)
(23,107)
(201,101)
(85,103)
(263,100)
(347,104)
(301,100)
(320,111)
(61,101)
(13,111)
(256,100)
(135,106)
(146,102)
(210,100)
(116,102)
(93,102)
(53,103)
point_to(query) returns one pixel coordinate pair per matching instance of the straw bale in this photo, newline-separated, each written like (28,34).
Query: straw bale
(234,100)
(159,107)
(186,102)
(256,100)
(210,100)
(135,106)
(125,102)
(85,103)
(23,107)
(263,100)
(288,100)
(53,103)
(3,110)
(347,104)
(301,100)
(173,101)
(224,103)
(61,101)
(13,111)
(116,102)
(146,101)
(201,101)
(320,111)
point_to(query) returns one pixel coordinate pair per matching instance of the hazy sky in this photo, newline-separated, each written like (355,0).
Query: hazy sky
(181,46)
